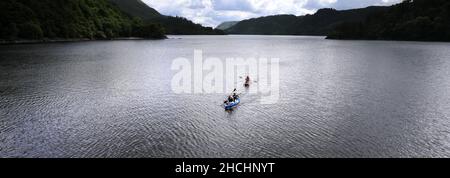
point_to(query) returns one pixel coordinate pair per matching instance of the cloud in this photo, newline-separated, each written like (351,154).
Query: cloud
(347,4)
(213,12)
(232,5)
(196,4)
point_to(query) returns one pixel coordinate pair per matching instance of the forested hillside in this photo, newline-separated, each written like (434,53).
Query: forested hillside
(51,19)
(321,23)
(137,8)
(420,20)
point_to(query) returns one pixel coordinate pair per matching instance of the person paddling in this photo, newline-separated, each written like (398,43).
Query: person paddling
(235,96)
(232,97)
(232,101)
(247,81)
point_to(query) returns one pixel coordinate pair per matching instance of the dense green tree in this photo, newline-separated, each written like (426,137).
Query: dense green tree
(9,32)
(30,30)
(148,31)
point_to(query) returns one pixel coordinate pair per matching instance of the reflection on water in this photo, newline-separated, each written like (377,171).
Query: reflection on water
(113,99)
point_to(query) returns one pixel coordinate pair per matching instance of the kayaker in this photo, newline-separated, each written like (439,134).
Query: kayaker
(235,96)
(230,99)
(247,82)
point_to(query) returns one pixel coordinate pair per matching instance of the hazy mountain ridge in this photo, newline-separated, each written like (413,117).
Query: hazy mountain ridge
(226,25)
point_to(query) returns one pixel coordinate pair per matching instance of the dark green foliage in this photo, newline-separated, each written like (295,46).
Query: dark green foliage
(9,32)
(320,23)
(148,31)
(418,20)
(37,19)
(30,30)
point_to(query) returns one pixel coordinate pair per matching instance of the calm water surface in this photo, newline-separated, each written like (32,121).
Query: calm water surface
(114,99)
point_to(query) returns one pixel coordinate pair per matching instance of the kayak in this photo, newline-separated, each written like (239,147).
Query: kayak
(232,105)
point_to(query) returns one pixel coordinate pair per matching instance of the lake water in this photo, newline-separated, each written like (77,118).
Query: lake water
(114,99)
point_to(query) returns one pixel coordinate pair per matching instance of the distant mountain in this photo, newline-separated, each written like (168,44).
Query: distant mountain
(172,25)
(183,26)
(321,23)
(137,8)
(270,25)
(226,25)
(63,19)
(418,20)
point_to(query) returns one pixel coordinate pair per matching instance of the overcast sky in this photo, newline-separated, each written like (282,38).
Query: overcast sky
(213,12)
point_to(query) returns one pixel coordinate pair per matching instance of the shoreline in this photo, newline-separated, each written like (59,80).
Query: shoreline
(389,40)
(44,41)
